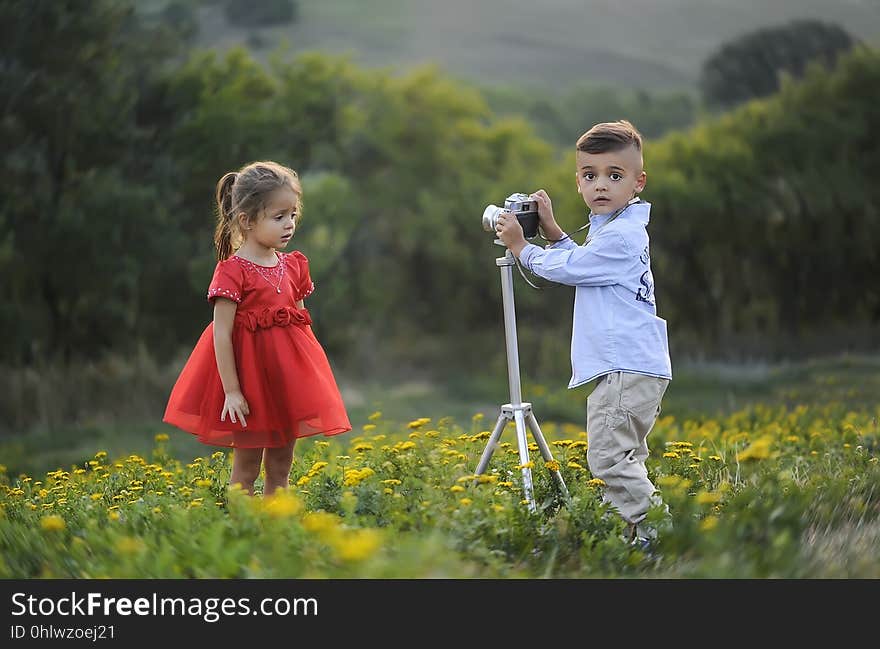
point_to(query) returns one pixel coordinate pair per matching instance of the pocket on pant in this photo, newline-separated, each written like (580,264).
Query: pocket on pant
(640,393)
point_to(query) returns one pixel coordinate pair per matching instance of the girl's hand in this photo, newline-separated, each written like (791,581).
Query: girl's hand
(236,405)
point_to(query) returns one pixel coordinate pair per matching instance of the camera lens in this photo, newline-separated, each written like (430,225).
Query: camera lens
(490,217)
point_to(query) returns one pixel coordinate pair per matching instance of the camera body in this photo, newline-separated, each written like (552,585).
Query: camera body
(523,207)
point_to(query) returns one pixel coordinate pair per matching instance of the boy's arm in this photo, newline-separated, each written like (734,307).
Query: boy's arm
(601,263)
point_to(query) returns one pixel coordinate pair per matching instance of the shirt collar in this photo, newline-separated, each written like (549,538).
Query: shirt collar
(598,220)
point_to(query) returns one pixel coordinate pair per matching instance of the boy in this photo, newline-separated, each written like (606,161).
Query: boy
(617,340)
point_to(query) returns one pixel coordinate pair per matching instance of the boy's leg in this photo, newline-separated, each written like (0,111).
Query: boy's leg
(620,413)
(246,468)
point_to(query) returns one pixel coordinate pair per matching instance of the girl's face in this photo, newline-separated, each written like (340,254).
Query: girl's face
(608,181)
(275,227)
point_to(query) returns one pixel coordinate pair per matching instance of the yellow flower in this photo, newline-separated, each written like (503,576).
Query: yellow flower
(320,522)
(673,482)
(671,454)
(456,488)
(161,437)
(465,501)
(52,523)
(363,446)
(369,427)
(596,482)
(527,465)
(574,465)
(709,523)
(357,545)
(552,465)
(354,477)
(376,415)
(203,483)
(498,508)
(282,504)
(708,497)
(758,450)
(130,545)
(391,481)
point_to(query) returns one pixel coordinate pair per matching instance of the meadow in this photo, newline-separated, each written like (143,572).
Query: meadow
(783,486)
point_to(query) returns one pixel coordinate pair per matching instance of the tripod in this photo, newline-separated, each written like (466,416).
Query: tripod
(521,413)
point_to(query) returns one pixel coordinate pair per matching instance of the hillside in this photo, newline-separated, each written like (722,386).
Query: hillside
(639,43)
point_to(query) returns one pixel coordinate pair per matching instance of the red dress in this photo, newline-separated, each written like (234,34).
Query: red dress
(282,368)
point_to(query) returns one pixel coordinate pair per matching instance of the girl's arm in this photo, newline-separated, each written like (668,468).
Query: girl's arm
(235,404)
(301,305)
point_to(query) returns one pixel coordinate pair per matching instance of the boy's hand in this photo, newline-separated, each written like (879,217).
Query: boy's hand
(545,216)
(236,406)
(510,232)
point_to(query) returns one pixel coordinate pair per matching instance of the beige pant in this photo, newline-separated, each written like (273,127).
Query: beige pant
(621,411)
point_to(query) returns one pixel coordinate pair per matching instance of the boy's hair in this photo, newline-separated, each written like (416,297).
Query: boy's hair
(246,190)
(610,136)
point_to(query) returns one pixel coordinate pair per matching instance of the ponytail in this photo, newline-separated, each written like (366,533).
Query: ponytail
(223,233)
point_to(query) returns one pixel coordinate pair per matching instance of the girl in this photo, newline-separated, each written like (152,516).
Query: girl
(258,379)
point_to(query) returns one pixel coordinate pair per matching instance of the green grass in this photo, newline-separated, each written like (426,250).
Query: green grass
(764,492)
(696,391)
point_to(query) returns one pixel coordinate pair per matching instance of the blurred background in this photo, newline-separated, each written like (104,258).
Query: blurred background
(404,119)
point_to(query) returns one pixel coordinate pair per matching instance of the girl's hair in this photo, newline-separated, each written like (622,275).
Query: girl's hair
(246,191)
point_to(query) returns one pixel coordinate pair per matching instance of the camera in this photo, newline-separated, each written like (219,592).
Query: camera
(524,208)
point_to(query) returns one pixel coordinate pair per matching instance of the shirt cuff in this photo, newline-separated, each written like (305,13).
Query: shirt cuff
(527,253)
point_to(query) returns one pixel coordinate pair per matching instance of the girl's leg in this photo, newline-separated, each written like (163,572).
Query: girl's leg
(278,462)
(246,467)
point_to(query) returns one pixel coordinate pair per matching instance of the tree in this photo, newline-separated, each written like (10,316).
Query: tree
(77,210)
(752,65)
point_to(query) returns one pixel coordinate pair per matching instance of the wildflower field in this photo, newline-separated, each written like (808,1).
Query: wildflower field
(765,491)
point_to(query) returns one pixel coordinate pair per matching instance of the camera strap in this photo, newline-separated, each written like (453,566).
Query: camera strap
(614,215)
(590,234)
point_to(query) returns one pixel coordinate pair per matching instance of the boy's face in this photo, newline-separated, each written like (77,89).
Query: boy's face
(607,181)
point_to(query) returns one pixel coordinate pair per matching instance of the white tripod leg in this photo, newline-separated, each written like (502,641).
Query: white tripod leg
(545,451)
(523,443)
(492,445)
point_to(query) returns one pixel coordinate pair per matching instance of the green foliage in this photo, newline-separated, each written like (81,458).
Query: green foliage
(754,65)
(767,216)
(71,168)
(761,493)
(114,148)
(562,119)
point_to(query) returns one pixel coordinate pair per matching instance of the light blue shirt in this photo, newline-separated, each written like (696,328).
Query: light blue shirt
(615,326)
